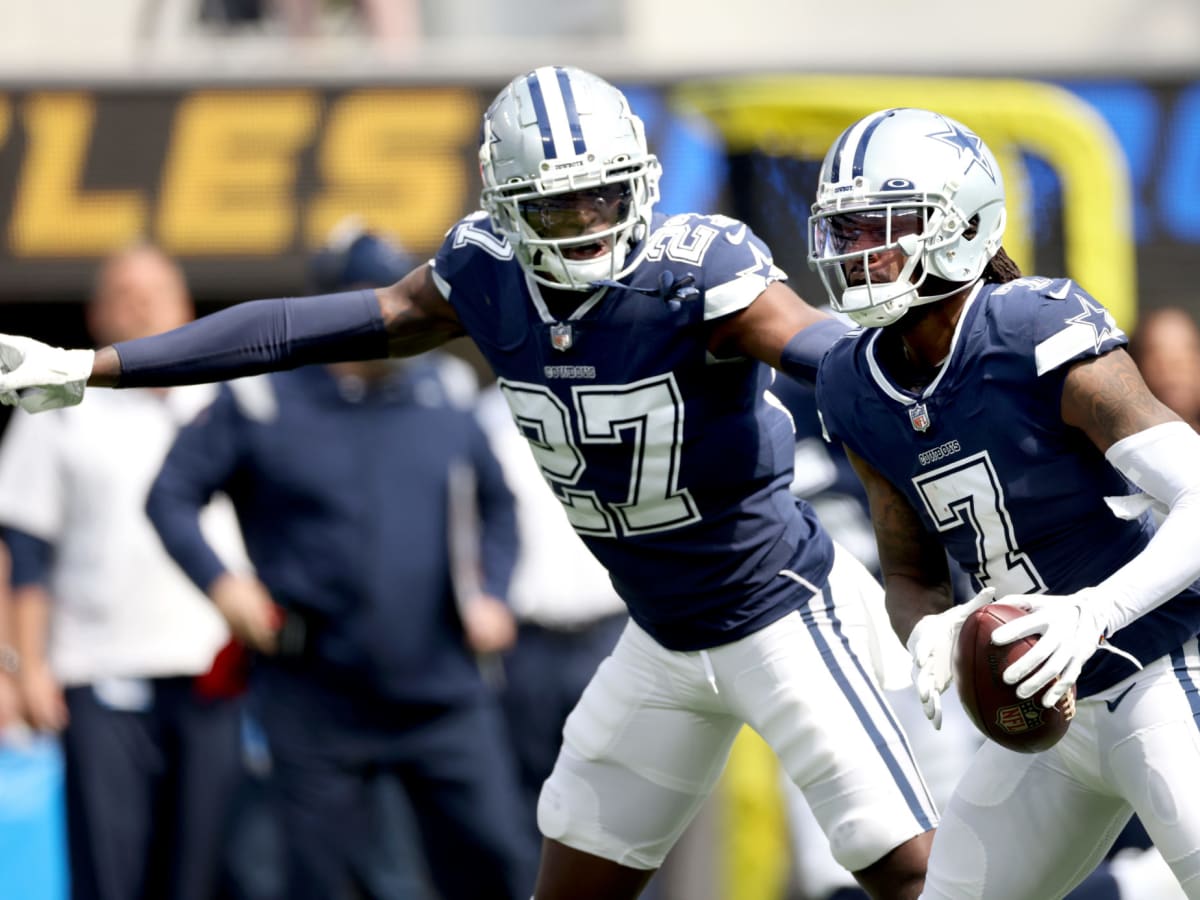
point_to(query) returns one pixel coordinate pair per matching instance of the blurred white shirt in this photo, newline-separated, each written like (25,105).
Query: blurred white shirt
(557,582)
(78,479)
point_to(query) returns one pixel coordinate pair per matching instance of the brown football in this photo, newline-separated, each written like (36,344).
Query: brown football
(1022,725)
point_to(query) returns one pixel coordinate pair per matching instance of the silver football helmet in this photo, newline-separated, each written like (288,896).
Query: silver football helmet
(912,181)
(567,177)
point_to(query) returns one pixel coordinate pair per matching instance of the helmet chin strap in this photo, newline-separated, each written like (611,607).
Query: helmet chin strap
(873,306)
(580,274)
(585,271)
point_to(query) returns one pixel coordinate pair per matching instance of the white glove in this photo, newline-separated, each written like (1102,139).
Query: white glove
(41,377)
(931,645)
(1070,627)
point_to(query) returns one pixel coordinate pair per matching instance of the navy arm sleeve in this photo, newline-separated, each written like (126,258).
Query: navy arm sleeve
(258,336)
(31,557)
(802,355)
(201,462)
(498,517)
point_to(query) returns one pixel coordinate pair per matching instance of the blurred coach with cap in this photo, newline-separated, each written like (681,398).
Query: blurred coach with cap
(367,649)
(113,640)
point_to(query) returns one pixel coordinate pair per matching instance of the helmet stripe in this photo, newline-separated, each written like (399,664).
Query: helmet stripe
(854,138)
(543,119)
(557,115)
(835,173)
(860,152)
(568,95)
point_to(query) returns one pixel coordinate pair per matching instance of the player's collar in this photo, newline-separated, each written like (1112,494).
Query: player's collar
(900,394)
(543,309)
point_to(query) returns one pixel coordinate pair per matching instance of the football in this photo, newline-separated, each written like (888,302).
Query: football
(1022,725)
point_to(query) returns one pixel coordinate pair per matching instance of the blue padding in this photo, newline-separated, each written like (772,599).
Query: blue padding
(33,839)
(803,352)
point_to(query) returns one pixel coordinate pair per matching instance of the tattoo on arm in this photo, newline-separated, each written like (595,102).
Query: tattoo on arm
(912,561)
(1106,398)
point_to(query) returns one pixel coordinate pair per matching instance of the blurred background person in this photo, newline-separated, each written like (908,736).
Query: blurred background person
(569,617)
(1166,347)
(111,636)
(393,24)
(10,659)
(368,635)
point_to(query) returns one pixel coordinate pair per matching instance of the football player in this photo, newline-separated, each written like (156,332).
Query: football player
(630,348)
(1000,416)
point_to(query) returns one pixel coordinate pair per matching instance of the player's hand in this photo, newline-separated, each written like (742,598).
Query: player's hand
(249,610)
(931,645)
(488,625)
(42,696)
(1070,629)
(39,376)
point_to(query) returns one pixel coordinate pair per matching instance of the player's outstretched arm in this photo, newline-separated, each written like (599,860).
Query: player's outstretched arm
(780,329)
(1106,398)
(258,336)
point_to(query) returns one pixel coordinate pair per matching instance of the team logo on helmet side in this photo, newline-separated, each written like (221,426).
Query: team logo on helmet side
(968,142)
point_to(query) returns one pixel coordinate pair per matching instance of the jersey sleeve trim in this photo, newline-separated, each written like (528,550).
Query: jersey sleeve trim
(1066,345)
(734,295)
(443,286)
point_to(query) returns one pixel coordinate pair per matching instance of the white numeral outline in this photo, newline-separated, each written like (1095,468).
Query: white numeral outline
(681,242)
(466,233)
(969,492)
(647,415)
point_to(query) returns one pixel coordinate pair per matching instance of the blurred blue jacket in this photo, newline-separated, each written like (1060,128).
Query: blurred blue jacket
(342,491)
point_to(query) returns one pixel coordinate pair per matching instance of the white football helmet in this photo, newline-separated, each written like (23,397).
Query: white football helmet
(556,131)
(928,187)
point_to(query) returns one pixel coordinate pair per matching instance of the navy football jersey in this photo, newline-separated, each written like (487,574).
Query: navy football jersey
(984,457)
(671,465)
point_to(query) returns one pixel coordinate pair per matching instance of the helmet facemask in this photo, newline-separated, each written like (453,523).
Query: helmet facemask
(856,254)
(545,222)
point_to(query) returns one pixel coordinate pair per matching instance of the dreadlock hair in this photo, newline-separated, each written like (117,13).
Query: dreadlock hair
(1001,269)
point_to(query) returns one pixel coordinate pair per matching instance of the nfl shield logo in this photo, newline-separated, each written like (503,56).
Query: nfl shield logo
(561,337)
(1019,719)
(919,416)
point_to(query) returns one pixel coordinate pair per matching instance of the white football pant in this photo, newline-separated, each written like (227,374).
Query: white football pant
(1032,826)
(652,731)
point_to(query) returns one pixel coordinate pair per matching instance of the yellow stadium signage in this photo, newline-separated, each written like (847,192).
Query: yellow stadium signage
(244,173)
